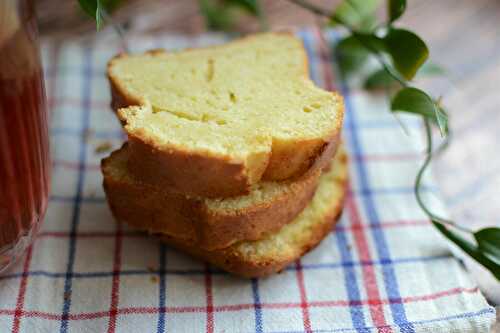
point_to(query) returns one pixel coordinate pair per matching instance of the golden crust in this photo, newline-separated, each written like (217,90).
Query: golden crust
(194,174)
(189,218)
(308,229)
(232,260)
(210,175)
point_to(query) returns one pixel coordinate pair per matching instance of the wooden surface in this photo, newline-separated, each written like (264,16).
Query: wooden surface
(463,35)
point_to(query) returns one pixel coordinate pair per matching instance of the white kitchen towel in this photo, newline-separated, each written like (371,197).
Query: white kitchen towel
(384,268)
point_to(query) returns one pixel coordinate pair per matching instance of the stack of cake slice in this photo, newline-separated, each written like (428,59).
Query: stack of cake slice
(232,155)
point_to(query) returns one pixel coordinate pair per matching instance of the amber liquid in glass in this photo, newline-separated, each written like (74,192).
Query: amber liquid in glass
(24,142)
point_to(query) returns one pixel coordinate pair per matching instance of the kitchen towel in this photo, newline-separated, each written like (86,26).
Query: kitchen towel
(384,268)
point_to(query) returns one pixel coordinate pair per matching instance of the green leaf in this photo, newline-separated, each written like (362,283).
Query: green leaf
(251,6)
(407,50)
(373,43)
(351,55)
(431,69)
(481,256)
(89,7)
(442,120)
(358,14)
(416,101)
(99,15)
(380,79)
(413,100)
(222,14)
(216,17)
(396,8)
(350,46)
(96,8)
(488,241)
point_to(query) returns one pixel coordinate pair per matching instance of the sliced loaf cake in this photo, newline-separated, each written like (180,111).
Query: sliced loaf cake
(211,122)
(208,223)
(271,252)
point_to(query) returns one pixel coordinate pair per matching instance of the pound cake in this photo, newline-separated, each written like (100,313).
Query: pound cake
(212,122)
(209,223)
(273,250)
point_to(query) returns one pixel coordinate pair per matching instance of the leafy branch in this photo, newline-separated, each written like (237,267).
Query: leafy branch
(401,54)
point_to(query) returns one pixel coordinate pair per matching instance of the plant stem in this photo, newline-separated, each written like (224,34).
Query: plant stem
(418,181)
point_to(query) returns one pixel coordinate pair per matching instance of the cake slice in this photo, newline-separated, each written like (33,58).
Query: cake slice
(211,122)
(207,223)
(273,250)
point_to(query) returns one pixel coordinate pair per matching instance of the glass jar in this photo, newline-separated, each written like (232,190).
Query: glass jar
(24,141)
